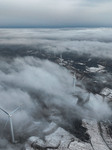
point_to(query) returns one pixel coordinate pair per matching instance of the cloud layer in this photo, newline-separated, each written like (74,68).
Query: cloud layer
(46,93)
(44,88)
(55,13)
(96,42)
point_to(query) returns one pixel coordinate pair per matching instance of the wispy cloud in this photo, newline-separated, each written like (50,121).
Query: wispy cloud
(45,91)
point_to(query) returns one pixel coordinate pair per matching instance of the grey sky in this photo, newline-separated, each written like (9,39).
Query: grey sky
(55,13)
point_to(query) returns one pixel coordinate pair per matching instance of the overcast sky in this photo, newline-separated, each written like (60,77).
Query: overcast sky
(55,13)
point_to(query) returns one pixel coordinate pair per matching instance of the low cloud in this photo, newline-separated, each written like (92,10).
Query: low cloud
(96,42)
(46,93)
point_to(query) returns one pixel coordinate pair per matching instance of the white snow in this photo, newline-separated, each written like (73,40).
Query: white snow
(100,68)
(96,139)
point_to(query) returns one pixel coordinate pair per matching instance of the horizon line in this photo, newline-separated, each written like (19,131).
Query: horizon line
(55,27)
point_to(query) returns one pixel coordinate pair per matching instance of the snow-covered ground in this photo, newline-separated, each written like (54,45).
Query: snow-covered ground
(60,139)
(100,68)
